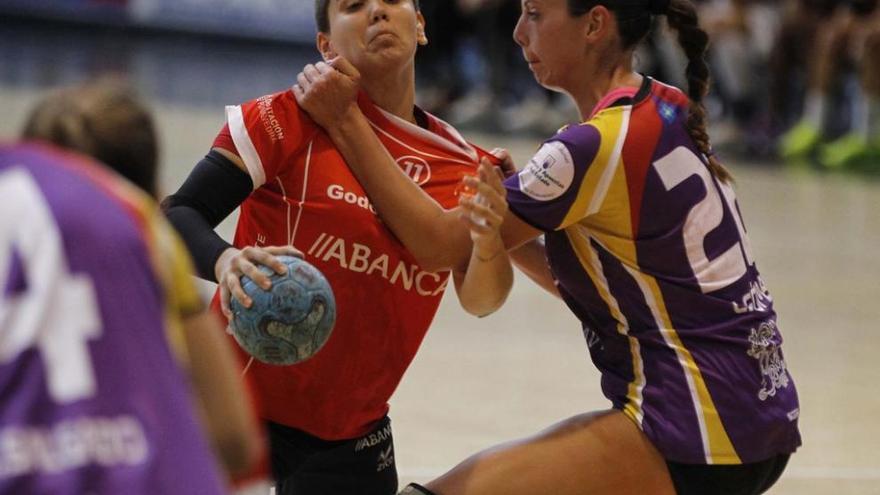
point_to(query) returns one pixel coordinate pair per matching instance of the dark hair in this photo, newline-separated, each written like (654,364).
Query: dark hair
(634,19)
(322,18)
(103,119)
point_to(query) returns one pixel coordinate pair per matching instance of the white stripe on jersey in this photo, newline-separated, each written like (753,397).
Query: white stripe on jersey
(462,145)
(286,204)
(682,359)
(291,236)
(611,166)
(635,388)
(244,145)
(423,153)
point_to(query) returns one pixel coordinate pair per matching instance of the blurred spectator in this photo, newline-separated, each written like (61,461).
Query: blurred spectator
(472,74)
(742,36)
(439,74)
(840,82)
(797,77)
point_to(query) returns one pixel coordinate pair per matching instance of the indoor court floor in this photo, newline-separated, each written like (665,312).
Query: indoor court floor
(479,382)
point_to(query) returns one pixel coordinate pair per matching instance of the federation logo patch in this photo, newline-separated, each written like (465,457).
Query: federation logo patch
(549,173)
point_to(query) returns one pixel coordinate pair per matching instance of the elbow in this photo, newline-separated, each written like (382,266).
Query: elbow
(442,247)
(433,262)
(484,310)
(484,306)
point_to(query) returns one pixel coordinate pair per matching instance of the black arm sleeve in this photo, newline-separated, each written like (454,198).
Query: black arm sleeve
(214,188)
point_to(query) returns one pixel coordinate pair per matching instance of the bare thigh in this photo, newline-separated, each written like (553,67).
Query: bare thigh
(595,453)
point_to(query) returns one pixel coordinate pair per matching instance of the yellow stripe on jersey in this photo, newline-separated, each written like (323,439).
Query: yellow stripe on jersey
(169,259)
(612,226)
(183,298)
(594,186)
(716,443)
(173,267)
(579,238)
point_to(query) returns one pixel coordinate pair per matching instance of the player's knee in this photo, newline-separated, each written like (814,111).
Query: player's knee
(415,489)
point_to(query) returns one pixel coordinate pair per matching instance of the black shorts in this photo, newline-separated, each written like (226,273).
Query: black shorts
(306,465)
(738,479)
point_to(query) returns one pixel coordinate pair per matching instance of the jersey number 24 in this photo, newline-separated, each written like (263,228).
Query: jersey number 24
(58,311)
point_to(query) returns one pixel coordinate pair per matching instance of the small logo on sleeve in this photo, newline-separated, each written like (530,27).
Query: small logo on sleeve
(667,112)
(267,117)
(549,173)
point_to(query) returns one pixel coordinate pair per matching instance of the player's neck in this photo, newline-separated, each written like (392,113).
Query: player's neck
(591,93)
(394,95)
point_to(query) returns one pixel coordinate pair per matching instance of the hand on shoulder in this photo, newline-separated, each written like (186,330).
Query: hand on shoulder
(327,91)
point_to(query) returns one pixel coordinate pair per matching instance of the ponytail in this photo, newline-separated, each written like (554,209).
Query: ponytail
(634,23)
(682,17)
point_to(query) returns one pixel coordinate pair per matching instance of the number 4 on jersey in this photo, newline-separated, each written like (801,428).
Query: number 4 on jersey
(58,311)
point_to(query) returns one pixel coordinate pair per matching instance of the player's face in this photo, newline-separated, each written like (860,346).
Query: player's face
(373,34)
(552,42)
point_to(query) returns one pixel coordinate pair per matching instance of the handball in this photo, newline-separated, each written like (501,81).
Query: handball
(291,321)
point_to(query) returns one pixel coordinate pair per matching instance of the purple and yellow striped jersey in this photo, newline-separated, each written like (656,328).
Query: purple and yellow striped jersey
(94,284)
(650,253)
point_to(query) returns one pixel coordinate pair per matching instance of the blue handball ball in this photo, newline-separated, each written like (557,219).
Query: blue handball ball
(291,321)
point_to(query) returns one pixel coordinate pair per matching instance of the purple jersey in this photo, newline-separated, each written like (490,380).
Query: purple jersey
(92,399)
(650,253)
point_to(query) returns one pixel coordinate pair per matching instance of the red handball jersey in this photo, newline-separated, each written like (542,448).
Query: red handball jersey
(306,196)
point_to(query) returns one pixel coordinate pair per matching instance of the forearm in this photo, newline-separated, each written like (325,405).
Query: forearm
(531,259)
(203,243)
(433,235)
(487,281)
(220,395)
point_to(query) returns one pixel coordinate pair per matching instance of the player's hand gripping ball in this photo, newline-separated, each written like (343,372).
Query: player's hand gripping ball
(291,321)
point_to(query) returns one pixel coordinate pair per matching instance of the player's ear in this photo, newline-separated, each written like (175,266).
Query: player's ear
(596,22)
(325,47)
(420,29)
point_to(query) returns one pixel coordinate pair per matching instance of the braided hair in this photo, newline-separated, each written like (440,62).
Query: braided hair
(634,19)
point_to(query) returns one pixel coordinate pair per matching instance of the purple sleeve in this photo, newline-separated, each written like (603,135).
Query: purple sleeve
(543,192)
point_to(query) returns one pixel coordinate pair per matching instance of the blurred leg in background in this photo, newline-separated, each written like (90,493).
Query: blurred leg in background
(743,33)
(790,60)
(827,66)
(857,148)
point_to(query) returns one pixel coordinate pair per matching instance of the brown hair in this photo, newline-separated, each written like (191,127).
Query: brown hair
(103,119)
(634,21)
(322,18)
